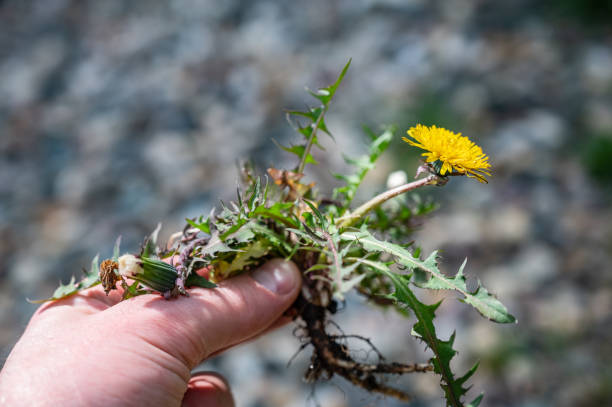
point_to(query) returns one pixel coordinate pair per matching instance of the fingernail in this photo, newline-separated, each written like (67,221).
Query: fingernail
(278,276)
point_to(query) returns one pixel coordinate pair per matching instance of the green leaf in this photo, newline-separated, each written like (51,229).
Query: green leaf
(317,267)
(241,232)
(133,290)
(313,115)
(150,246)
(299,151)
(364,164)
(325,95)
(322,221)
(239,196)
(280,212)
(347,285)
(316,116)
(275,239)
(215,245)
(195,280)
(424,329)
(246,256)
(485,303)
(203,226)
(256,195)
(65,290)
(308,234)
(92,277)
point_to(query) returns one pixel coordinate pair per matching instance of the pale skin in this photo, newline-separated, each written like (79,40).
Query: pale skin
(95,350)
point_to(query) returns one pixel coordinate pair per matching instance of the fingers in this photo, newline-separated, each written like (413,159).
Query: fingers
(281,321)
(211,319)
(88,301)
(208,389)
(85,303)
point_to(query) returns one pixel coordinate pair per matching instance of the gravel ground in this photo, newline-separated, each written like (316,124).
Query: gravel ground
(116,115)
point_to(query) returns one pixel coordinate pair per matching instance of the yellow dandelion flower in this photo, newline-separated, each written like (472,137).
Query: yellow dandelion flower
(450,152)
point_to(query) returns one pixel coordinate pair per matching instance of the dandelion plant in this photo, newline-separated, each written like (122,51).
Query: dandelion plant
(340,248)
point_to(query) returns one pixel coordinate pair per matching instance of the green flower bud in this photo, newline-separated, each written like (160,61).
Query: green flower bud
(152,273)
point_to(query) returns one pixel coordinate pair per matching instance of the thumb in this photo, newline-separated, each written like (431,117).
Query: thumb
(192,328)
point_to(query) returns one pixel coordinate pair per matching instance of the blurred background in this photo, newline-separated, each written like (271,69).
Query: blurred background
(115,115)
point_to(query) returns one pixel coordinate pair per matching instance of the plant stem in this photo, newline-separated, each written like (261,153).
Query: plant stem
(337,264)
(315,127)
(360,212)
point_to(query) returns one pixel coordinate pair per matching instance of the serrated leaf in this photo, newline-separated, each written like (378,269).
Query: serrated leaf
(241,232)
(468,374)
(347,285)
(65,290)
(150,246)
(90,279)
(314,115)
(234,230)
(203,226)
(485,303)
(488,306)
(274,238)
(424,329)
(299,151)
(247,256)
(481,299)
(309,114)
(215,245)
(317,120)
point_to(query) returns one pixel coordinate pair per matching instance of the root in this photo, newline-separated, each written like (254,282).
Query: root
(331,357)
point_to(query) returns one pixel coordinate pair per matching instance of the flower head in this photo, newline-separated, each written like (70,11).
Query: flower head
(152,273)
(107,274)
(129,266)
(450,152)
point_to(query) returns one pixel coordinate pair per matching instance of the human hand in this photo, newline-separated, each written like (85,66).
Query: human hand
(94,350)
